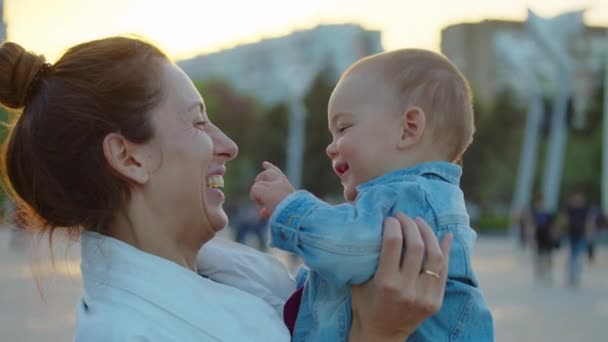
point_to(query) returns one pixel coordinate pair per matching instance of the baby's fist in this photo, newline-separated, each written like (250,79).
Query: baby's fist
(270,187)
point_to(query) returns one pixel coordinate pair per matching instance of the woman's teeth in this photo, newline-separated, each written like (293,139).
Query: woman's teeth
(215,181)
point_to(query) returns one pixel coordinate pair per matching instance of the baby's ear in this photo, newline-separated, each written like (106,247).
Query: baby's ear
(413,123)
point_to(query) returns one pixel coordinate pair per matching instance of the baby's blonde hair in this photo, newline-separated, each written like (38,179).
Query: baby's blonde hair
(430,81)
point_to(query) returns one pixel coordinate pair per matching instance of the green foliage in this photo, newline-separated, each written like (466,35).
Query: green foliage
(270,140)
(318,176)
(492,224)
(4,121)
(583,160)
(490,163)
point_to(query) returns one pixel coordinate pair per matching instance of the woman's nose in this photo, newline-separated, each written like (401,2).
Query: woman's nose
(225,147)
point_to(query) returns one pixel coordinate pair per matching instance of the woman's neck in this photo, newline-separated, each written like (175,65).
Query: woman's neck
(151,235)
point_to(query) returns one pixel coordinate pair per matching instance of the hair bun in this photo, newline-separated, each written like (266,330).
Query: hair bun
(18,69)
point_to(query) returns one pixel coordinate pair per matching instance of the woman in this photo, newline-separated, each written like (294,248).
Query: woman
(113,141)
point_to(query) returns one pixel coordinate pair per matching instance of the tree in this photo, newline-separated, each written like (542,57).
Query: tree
(318,176)
(583,166)
(270,137)
(490,163)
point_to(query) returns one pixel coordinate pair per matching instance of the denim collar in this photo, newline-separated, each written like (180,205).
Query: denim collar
(449,172)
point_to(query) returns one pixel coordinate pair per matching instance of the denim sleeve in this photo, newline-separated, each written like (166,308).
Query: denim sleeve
(342,242)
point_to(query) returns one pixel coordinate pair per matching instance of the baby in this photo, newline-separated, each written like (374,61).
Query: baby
(400,123)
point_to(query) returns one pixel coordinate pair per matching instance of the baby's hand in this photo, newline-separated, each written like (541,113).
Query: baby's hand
(270,187)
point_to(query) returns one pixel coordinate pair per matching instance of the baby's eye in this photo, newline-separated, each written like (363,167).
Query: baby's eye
(342,129)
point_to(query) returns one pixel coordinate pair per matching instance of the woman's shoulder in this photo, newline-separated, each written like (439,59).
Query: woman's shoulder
(117,317)
(111,321)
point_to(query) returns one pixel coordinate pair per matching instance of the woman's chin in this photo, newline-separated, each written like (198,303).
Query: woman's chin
(216,216)
(218,221)
(214,201)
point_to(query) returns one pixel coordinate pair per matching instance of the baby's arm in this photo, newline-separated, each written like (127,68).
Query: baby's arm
(341,242)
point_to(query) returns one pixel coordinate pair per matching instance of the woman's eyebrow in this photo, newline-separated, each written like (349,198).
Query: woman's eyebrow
(196,105)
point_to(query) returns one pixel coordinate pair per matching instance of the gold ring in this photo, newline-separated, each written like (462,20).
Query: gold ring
(431,273)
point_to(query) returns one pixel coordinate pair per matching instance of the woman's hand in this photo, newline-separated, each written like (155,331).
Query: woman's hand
(391,305)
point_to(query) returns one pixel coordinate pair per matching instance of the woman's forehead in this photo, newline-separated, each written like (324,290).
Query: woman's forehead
(179,90)
(180,99)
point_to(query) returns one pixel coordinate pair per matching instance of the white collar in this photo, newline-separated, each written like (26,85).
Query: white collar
(204,304)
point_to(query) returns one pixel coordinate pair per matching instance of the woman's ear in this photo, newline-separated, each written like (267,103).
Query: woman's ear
(413,123)
(125,158)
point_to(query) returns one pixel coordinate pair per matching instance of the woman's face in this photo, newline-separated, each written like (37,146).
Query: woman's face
(185,185)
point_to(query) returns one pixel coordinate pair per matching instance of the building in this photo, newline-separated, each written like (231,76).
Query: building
(473,48)
(276,69)
(2,22)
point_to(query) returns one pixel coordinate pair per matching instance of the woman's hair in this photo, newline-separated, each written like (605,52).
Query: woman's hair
(53,163)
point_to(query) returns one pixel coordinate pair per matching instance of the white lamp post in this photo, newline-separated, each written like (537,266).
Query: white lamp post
(605,136)
(296,132)
(518,61)
(554,35)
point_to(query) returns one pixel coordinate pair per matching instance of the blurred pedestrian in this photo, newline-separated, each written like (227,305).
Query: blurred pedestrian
(578,220)
(595,222)
(538,223)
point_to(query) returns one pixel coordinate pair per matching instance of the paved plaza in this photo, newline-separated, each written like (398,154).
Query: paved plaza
(523,310)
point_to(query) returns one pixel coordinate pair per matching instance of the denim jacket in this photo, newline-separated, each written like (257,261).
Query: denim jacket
(341,246)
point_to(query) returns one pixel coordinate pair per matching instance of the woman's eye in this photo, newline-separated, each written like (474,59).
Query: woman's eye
(201,123)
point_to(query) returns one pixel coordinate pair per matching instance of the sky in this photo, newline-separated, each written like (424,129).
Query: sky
(184,28)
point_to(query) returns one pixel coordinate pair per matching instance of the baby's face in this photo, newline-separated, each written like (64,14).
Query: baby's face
(365,127)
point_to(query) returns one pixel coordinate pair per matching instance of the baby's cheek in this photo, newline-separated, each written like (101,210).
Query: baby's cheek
(351,153)
(346,147)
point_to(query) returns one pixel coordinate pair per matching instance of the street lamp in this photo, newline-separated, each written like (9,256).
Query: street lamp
(518,61)
(554,35)
(605,135)
(296,132)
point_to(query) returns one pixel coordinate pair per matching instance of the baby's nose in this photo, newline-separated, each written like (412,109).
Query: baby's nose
(331,150)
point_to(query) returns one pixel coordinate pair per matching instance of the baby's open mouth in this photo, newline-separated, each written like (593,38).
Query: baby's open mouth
(215,181)
(341,168)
